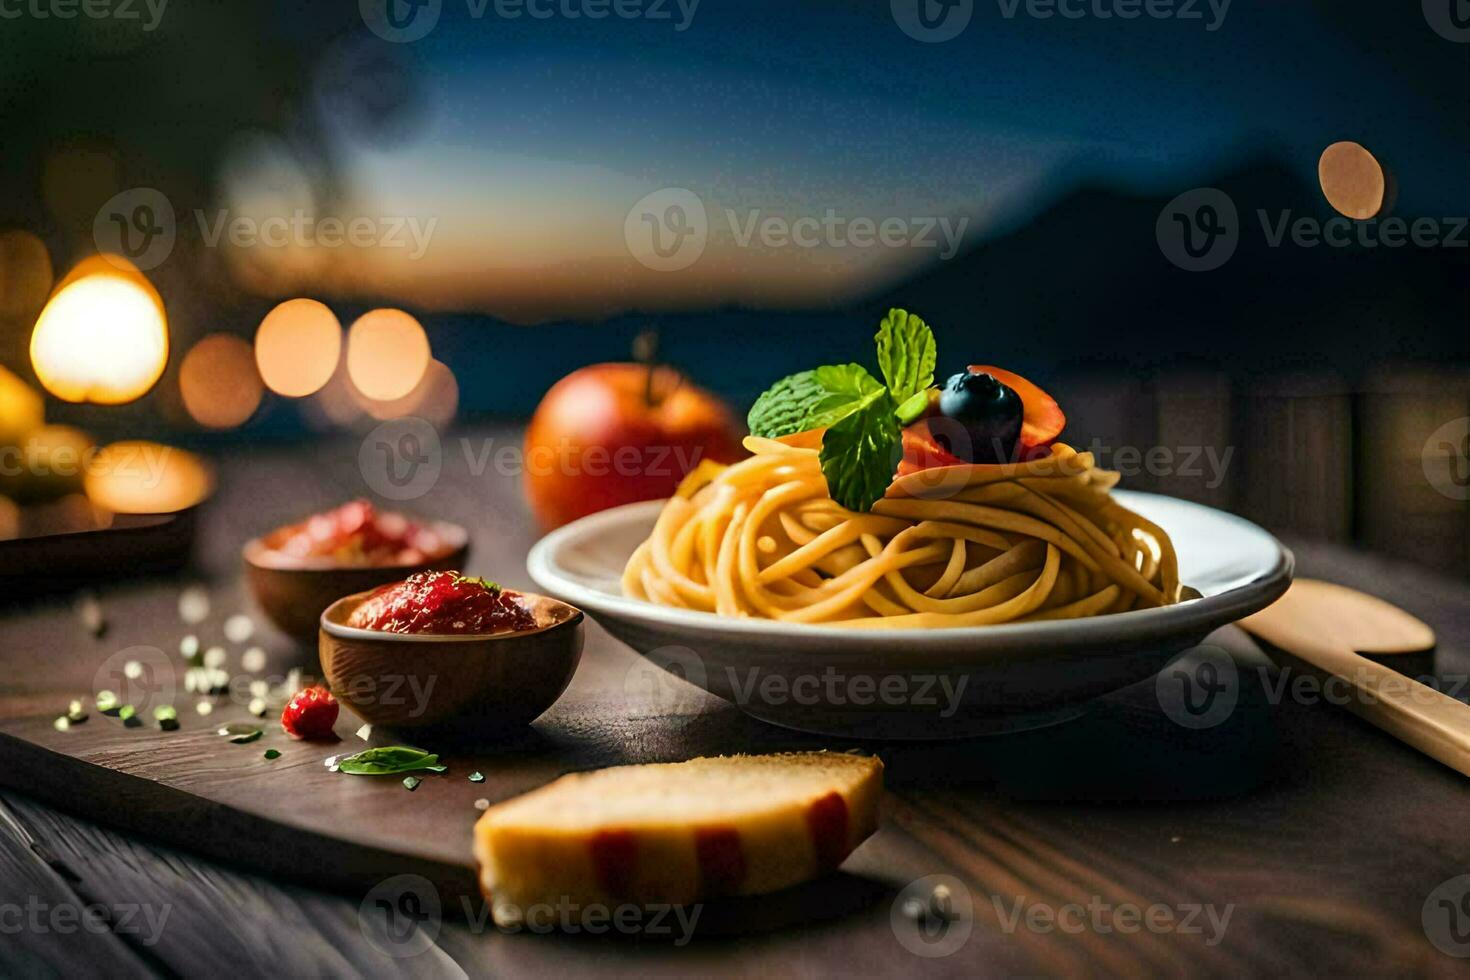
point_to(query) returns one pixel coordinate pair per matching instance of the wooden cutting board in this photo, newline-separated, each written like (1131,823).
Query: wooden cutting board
(292,817)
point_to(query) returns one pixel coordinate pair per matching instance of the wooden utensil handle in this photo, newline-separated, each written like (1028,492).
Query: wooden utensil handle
(1430,721)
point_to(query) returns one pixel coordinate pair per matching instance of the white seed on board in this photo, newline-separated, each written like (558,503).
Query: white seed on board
(239,628)
(194,604)
(214,657)
(253,660)
(189,646)
(89,610)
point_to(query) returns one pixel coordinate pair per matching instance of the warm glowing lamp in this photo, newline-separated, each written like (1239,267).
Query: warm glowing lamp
(1352,180)
(21,409)
(387,354)
(435,398)
(102,337)
(297,347)
(137,477)
(218,383)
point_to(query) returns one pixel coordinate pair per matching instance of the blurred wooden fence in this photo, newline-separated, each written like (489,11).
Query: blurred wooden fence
(1383,463)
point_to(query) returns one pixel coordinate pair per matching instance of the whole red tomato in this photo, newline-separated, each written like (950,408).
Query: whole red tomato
(613,434)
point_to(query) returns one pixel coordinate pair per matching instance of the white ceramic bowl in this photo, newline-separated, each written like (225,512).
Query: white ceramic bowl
(942,683)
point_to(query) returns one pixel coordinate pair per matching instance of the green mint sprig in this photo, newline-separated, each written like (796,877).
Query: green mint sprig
(864,418)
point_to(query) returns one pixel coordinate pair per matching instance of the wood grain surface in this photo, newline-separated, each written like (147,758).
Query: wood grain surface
(1313,840)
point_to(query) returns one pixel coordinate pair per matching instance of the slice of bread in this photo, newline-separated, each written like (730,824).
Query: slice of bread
(676,833)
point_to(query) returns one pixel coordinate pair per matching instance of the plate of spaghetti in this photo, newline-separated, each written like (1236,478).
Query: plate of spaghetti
(897,558)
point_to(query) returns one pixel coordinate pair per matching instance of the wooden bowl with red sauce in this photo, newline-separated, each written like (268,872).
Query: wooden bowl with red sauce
(467,683)
(292,588)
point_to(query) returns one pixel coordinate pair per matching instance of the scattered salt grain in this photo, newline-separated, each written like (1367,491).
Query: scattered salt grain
(253,660)
(239,628)
(203,707)
(194,604)
(189,646)
(214,657)
(89,610)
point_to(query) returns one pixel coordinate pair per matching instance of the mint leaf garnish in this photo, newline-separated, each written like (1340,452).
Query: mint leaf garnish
(389,759)
(863,418)
(860,453)
(812,400)
(906,354)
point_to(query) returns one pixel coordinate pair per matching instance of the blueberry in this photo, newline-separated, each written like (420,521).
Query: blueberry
(989,413)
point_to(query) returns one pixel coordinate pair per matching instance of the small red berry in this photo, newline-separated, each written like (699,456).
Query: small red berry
(310,713)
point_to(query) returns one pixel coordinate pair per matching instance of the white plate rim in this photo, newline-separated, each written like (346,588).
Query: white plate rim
(1208,611)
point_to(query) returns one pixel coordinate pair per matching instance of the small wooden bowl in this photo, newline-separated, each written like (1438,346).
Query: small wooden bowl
(471,684)
(292,592)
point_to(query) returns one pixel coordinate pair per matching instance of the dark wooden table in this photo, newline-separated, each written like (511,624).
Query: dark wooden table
(1291,839)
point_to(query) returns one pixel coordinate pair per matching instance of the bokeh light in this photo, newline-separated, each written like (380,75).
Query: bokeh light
(387,354)
(1352,179)
(9,519)
(53,459)
(21,408)
(297,347)
(140,477)
(102,337)
(25,273)
(218,382)
(435,398)
(338,404)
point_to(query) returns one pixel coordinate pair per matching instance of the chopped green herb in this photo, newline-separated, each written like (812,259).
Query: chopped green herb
(107,702)
(477,777)
(272,753)
(128,715)
(76,714)
(167,717)
(389,759)
(61,724)
(483,583)
(241,734)
(411,783)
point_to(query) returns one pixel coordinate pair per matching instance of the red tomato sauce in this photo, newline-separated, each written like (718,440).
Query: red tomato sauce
(443,603)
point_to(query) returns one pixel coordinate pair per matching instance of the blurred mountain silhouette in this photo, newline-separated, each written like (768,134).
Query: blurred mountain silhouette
(1087,283)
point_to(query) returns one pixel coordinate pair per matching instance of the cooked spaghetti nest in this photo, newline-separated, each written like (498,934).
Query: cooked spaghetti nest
(953,546)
